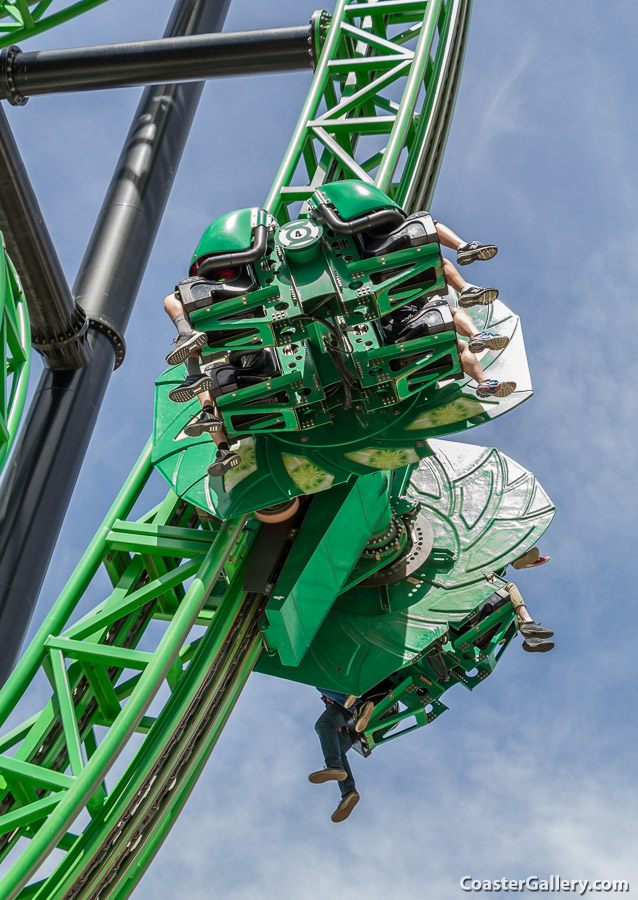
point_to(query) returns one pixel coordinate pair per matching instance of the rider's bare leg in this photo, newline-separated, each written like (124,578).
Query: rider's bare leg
(469,363)
(447,237)
(463,323)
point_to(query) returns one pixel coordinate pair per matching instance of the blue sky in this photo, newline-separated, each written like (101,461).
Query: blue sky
(533,773)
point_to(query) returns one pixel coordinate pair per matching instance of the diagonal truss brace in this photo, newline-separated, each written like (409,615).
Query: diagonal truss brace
(388,70)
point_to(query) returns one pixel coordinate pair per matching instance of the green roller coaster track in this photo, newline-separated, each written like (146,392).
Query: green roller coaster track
(15,344)
(21,19)
(175,612)
(389,71)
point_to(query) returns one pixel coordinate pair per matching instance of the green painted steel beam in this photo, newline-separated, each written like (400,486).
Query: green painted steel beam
(29,814)
(363,58)
(65,724)
(15,344)
(22,19)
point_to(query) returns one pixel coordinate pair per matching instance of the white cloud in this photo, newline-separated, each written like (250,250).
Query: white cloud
(494,794)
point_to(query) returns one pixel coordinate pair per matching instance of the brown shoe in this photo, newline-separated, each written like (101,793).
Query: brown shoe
(530,559)
(363,715)
(327,774)
(346,806)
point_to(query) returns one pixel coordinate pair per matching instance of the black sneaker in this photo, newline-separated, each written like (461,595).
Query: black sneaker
(468,253)
(190,387)
(224,460)
(184,345)
(535,630)
(537,645)
(205,422)
(472,295)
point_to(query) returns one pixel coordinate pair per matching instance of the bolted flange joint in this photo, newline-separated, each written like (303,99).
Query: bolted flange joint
(319,23)
(8,89)
(68,350)
(100,323)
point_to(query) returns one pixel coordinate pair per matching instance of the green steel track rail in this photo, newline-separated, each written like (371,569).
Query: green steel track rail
(379,108)
(21,19)
(15,342)
(381,102)
(105,669)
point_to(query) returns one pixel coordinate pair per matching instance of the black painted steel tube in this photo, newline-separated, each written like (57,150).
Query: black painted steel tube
(58,326)
(58,427)
(153,62)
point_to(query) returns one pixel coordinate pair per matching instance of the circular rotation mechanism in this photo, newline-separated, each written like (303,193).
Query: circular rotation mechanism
(410,528)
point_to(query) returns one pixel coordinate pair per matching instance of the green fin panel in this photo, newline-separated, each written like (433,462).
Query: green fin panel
(352,198)
(485,510)
(277,467)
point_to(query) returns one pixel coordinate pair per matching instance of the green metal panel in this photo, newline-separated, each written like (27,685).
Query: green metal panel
(230,232)
(329,543)
(21,19)
(354,198)
(15,343)
(485,511)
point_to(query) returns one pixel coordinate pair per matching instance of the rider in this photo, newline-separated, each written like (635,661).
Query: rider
(381,227)
(221,269)
(336,740)
(197,384)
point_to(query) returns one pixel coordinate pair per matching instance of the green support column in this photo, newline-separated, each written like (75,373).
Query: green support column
(167,567)
(15,343)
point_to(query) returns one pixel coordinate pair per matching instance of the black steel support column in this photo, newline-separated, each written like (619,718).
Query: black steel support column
(58,426)
(58,326)
(161,61)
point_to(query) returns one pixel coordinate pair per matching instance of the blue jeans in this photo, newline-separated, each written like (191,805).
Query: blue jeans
(335,743)
(334,695)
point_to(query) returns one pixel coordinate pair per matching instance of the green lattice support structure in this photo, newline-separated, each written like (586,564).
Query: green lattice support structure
(15,343)
(21,19)
(104,670)
(175,610)
(381,102)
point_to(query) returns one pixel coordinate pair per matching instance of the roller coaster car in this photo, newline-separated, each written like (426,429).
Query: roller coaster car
(255,286)
(329,344)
